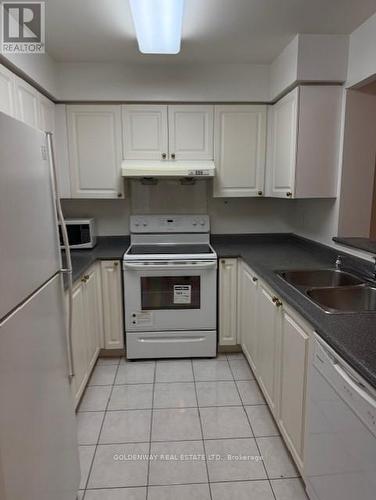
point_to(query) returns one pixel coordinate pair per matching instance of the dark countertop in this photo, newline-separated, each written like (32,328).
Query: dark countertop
(107,248)
(361,243)
(352,336)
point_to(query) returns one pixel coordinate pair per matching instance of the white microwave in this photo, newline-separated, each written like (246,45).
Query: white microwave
(81,233)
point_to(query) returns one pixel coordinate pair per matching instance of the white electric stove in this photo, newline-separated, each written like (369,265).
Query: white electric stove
(170,288)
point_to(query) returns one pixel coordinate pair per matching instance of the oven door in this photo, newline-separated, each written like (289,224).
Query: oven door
(170,295)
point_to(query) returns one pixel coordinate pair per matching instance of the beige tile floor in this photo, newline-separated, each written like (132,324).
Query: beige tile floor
(170,430)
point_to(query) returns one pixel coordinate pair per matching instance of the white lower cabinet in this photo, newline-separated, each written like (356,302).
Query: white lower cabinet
(295,334)
(228,279)
(97,320)
(268,329)
(112,304)
(248,284)
(79,343)
(275,340)
(87,328)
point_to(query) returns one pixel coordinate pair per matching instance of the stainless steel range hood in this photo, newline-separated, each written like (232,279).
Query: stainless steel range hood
(165,169)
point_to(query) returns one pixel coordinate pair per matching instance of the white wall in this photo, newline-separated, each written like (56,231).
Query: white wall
(41,68)
(323,58)
(362,53)
(191,82)
(309,58)
(358,167)
(284,69)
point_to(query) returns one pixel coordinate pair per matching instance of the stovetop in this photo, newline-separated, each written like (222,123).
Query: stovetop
(170,249)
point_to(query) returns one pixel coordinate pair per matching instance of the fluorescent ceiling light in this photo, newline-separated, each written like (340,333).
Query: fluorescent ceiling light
(158,25)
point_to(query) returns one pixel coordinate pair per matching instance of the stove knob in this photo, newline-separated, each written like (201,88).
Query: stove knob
(137,224)
(202,222)
(194,223)
(145,224)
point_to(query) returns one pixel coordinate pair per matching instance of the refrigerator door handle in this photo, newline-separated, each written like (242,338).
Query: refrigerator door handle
(68,269)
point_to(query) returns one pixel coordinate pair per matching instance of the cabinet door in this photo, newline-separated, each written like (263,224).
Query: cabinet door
(228,302)
(293,373)
(112,305)
(79,342)
(27,103)
(247,302)
(94,140)
(145,132)
(7,92)
(268,331)
(240,149)
(46,118)
(190,129)
(93,311)
(284,131)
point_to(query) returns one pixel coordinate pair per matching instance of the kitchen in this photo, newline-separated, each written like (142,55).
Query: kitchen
(188,238)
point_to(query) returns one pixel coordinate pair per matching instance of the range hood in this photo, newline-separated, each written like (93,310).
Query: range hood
(177,169)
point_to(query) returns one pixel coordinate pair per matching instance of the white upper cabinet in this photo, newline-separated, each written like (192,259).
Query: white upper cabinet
(95,151)
(240,150)
(160,132)
(303,144)
(145,135)
(27,105)
(190,129)
(7,92)
(46,116)
(283,130)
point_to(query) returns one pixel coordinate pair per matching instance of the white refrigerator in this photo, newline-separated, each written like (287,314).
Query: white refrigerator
(38,437)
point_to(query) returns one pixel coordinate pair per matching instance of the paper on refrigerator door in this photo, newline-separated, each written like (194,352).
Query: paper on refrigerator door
(182,294)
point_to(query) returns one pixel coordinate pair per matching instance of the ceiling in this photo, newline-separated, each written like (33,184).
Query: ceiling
(214,31)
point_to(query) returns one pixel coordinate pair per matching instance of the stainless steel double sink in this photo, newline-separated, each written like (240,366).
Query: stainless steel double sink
(333,290)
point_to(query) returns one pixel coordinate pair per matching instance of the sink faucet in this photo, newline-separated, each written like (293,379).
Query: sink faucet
(339,263)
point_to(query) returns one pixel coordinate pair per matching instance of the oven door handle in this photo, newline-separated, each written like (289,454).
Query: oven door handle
(179,266)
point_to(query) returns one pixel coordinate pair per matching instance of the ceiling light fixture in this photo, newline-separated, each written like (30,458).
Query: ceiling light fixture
(158,25)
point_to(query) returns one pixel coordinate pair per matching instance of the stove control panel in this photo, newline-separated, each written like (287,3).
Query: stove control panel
(169,224)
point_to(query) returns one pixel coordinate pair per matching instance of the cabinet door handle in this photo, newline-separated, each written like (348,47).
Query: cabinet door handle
(164,156)
(116,264)
(274,300)
(119,195)
(259,193)
(173,156)
(254,279)
(289,194)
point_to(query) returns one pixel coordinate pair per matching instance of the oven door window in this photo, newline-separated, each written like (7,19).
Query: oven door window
(170,292)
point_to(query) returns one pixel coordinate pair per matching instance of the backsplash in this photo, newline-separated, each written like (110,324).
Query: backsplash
(232,215)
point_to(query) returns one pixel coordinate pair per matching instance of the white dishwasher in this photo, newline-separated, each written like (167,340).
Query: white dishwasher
(340,457)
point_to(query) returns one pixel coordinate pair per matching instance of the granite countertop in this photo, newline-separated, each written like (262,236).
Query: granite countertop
(107,248)
(361,243)
(352,336)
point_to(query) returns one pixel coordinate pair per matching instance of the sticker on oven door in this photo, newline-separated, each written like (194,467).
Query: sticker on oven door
(182,294)
(142,318)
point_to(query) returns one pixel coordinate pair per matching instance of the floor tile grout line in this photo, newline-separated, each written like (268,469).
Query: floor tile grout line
(150,432)
(178,440)
(202,435)
(256,443)
(195,483)
(177,408)
(100,431)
